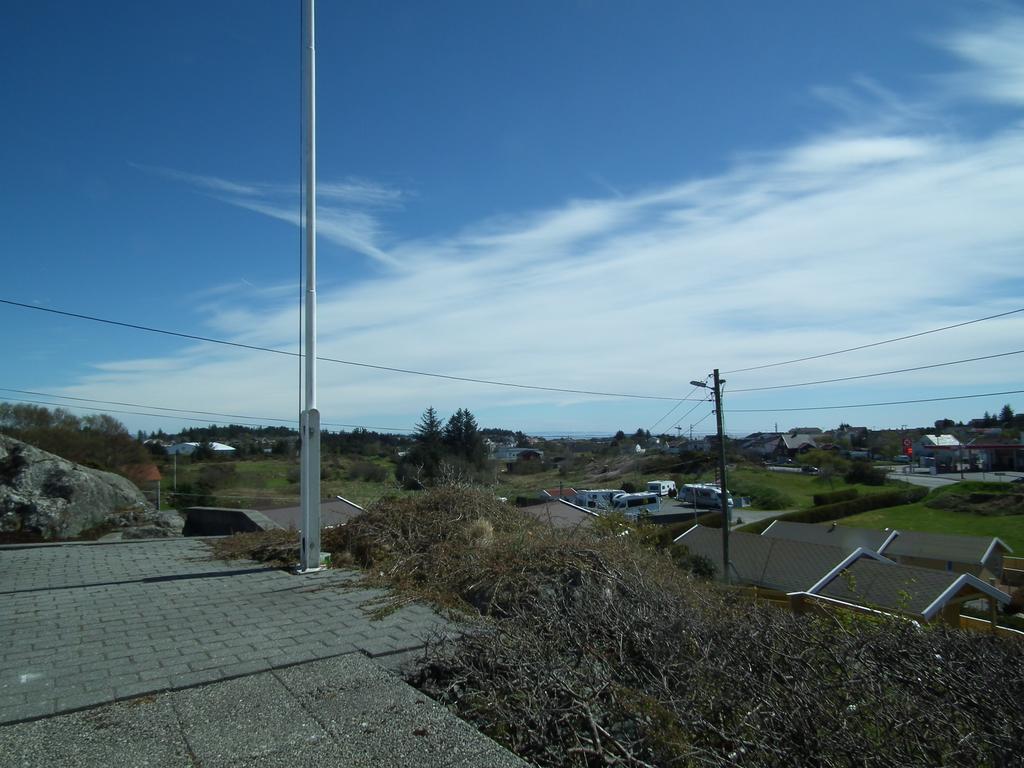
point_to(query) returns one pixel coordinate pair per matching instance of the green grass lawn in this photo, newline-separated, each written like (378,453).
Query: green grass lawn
(918,517)
(798,487)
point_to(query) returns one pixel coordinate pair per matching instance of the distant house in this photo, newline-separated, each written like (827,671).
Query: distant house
(508,453)
(844,537)
(981,556)
(794,444)
(861,577)
(187,449)
(560,514)
(760,445)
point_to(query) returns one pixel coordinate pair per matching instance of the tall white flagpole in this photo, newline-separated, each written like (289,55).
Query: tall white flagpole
(310,419)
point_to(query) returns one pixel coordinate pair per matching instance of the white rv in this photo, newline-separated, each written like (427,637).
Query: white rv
(637,505)
(598,498)
(703,495)
(661,487)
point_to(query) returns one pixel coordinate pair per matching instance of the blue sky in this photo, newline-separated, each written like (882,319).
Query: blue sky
(587,195)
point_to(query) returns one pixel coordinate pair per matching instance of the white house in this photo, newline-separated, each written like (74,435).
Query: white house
(187,449)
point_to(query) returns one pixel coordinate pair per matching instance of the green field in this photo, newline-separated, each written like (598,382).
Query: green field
(270,482)
(795,486)
(921,517)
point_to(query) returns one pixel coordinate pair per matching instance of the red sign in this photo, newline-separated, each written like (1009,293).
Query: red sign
(908,448)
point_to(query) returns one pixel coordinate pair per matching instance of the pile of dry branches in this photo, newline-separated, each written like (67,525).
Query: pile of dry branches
(598,651)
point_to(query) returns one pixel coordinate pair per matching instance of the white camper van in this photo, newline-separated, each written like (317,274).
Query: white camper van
(661,487)
(637,505)
(703,495)
(598,498)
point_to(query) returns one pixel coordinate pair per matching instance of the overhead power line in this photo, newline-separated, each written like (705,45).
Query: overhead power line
(873,405)
(880,373)
(186,415)
(875,343)
(670,411)
(391,369)
(680,420)
(709,413)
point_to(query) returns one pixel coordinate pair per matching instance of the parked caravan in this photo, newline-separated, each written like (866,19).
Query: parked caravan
(703,495)
(598,498)
(636,505)
(661,487)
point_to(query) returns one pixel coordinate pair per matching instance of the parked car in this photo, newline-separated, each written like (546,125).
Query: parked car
(809,470)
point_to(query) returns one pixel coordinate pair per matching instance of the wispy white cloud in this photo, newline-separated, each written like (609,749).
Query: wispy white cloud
(875,228)
(994,56)
(345,221)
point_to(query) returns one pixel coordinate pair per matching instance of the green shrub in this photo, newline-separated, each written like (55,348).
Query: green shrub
(856,506)
(820,499)
(837,510)
(770,498)
(367,470)
(865,473)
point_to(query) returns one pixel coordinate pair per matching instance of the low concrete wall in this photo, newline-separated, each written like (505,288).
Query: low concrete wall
(223,521)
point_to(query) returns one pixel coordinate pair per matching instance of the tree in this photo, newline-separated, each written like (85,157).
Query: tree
(462,438)
(422,462)
(1006,415)
(428,431)
(829,464)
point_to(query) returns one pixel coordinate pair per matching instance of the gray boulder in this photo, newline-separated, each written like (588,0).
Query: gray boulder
(44,494)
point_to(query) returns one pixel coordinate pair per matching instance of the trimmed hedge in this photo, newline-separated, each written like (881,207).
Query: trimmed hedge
(856,506)
(821,499)
(841,509)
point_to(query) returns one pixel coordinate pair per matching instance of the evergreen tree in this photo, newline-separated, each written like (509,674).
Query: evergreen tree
(428,431)
(462,438)
(1006,415)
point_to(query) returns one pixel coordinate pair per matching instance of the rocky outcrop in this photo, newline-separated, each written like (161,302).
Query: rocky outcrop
(41,493)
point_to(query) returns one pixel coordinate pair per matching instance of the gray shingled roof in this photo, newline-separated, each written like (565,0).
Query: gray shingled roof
(942,546)
(828,534)
(921,591)
(888,586)
(788,566)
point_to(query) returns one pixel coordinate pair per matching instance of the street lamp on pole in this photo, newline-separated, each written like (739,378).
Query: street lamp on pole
(723,493)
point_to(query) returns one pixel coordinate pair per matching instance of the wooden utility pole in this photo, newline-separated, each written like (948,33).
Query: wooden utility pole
(722,491)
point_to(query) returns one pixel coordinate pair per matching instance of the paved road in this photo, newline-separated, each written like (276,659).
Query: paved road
(928,480)
(84,624)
